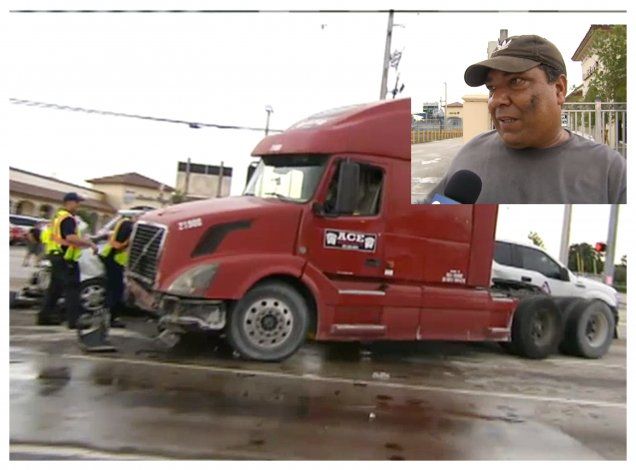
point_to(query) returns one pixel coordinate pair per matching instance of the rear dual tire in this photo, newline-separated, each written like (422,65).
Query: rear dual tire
(536,328)
(589,330)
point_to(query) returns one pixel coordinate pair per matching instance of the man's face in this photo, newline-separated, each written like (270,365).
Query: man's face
(525,108)
(72,206)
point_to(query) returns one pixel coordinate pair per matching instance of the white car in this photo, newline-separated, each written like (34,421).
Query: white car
(530,265)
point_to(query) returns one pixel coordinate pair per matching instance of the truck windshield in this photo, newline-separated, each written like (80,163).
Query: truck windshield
(292,178)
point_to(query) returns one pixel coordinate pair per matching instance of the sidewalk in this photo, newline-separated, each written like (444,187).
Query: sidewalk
(429,163)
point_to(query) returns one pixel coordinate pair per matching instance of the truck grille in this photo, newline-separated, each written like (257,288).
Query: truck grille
(144,252)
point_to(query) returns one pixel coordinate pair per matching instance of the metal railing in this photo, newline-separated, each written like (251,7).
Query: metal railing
(603,122)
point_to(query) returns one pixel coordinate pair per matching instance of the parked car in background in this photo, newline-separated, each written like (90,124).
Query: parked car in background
(19,226)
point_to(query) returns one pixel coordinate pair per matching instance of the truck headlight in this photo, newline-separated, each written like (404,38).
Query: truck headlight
(194,282)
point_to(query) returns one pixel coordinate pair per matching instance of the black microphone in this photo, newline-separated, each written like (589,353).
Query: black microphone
(464,187)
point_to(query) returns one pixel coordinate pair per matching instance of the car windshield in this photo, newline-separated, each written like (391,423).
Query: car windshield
(292,178)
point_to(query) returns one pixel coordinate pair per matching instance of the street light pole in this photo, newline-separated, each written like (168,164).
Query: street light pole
(608,271)
(445,103)
(269,110)
(564,253)
(387,57)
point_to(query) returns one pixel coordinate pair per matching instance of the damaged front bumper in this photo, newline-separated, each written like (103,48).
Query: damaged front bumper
(182,315)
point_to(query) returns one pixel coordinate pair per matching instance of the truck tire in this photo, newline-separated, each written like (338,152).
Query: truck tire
(269,323)
(536,327)
(589,330)
(566,306)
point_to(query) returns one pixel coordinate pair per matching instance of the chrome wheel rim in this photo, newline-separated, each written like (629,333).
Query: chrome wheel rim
(92,297)
(268,323)
(540,330)
(596,329)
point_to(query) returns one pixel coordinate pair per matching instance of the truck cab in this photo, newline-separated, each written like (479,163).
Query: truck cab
(323,242)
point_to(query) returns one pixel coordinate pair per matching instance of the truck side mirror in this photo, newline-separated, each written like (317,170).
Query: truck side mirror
(565,274)
(318,209)
(348,185)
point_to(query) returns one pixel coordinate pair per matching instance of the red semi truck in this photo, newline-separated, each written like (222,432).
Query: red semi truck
(325,242)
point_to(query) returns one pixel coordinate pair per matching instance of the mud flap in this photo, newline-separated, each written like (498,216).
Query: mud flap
(92,332)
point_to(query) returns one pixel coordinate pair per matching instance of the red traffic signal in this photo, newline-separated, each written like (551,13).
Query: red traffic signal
(600,247)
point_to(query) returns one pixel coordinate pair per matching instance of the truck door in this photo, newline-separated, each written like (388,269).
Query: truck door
(349,249)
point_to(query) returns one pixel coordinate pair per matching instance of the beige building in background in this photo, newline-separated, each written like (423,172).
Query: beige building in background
(200,181)
(455,110)
(40,196)
(589,62)
(132,190)
(475,114)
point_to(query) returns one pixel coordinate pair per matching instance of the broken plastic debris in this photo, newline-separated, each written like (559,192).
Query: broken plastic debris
(381,375)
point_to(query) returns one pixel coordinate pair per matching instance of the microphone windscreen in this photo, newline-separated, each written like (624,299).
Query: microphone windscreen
(464,187)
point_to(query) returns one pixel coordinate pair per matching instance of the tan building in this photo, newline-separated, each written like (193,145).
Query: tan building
(455,110)
(200,181)
(589,62)
(40,196)
(132,190)
(475,116)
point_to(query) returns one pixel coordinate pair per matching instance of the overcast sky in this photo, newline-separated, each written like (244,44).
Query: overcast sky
(225,68)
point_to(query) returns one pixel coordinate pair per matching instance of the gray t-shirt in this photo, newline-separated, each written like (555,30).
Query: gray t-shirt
(578,171)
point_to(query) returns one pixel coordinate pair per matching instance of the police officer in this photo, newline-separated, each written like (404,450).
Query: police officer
(115,257)
(65,248)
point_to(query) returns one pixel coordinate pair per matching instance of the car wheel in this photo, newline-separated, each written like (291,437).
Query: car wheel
(589,330)
(536,327)
(93,295)
(269,323)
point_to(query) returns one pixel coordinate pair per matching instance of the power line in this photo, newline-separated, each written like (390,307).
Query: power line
(191,124)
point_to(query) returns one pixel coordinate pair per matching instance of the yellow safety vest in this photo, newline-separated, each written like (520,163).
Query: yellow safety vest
(73,253)
(121,256)
(45,238)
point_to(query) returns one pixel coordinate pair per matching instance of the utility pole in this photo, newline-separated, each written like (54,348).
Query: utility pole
(608,272)
(387,57)
(564,252)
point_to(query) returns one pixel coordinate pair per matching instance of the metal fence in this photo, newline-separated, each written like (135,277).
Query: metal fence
(420,137)
(602,122)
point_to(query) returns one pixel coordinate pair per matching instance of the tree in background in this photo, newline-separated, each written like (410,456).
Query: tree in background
(609,82)
(177,197)
(536,239)
(583,258)
(620,272)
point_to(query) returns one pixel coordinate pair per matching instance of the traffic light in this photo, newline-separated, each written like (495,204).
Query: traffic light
(600,247)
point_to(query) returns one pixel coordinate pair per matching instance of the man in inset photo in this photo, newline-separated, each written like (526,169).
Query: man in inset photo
(529,157)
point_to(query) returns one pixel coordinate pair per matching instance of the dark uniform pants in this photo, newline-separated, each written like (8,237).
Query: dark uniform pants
(114,286)
(65,281)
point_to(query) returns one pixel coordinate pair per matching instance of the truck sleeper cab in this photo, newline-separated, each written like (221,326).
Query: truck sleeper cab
(325,241)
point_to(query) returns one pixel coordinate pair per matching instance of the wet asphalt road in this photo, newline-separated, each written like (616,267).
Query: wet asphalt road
(329,401)
(429,163)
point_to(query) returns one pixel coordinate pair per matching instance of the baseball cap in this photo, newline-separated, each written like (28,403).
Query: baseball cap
(516,54)
(72,197)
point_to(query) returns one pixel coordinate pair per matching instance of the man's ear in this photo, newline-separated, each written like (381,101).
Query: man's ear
(561,87)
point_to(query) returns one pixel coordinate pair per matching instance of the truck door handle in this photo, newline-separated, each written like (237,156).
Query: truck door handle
(526,279)
(372,262)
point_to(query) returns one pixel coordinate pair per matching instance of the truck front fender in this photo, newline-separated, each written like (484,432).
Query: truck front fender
(236,274)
